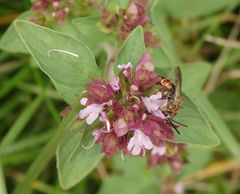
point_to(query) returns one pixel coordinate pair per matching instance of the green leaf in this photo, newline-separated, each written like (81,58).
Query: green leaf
(10,40)
(197,159)
(198,130)
(193,8)
(66,28)
(132,49)
(73,161)
(66,60)
(165,54)
(220,127)
(90,33)
(130,166)
(192,85)
(127,184)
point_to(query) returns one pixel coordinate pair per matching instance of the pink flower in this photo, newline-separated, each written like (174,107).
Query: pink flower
(159,150)
(56,4)
(120,127)
(91,113)
(133,9)
(108,18)
(167,152)
(178,188)
(110,144)
(136,14)
(83,101)
(104,119)
(115,84)
(60,14)
(154,104)
(98,92)
(126,68)
(130,121)
(158,129)
(43,10)
(139,142)
(145,79)
(145,62)
(40,5)
(151,40)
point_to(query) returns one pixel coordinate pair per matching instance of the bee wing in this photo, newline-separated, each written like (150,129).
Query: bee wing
(178,82)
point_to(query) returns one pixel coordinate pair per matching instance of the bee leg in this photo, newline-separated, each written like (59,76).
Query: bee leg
(179,123)
(174,126)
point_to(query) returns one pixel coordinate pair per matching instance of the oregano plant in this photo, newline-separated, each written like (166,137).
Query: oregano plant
(128,114)
(126,93)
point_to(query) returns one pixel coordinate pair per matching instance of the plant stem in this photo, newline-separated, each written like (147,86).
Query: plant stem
(47,153)
(217,69)
(213,27)
(214,169)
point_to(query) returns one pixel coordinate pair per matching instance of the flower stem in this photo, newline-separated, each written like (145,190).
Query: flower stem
(47,153)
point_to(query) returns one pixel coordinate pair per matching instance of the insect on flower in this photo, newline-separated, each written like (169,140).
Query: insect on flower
(174,96)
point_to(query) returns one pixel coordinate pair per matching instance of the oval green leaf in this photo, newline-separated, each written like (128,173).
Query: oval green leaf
(73,161)
(66,60)
(132,49)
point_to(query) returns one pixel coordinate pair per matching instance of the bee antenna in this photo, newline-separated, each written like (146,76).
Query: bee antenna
(179,123)
(174,126)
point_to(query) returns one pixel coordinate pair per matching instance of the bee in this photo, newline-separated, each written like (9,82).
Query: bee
(174,97)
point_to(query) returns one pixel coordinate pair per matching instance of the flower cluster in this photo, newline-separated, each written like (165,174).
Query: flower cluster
(44,11)
(125,20)
(128,115)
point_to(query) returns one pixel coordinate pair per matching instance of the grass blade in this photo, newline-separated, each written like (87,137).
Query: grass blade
(20,123)
(6,87)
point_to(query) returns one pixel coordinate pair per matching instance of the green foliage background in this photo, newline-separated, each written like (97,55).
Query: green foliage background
(31,127)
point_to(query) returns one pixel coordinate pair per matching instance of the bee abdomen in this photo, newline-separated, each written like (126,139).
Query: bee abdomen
(168,85)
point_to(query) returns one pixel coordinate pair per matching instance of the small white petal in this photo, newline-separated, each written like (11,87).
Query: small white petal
(130,144)
(147,143)
(83,101)
(91,118)
(179,188)
(82,114)
(159,114)
(108,125)
(159,150)
(156,96)
(162,151)
(136,150)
